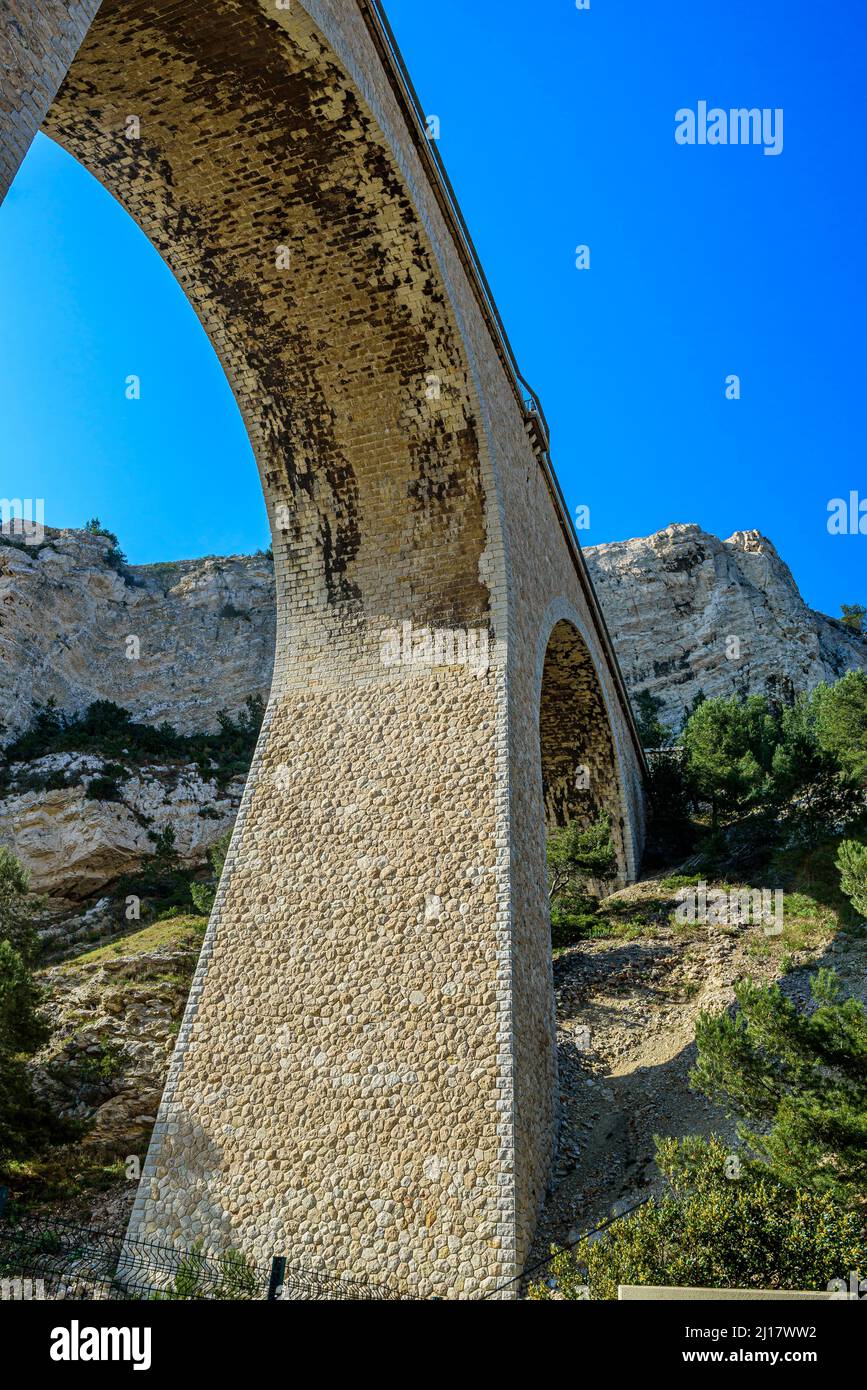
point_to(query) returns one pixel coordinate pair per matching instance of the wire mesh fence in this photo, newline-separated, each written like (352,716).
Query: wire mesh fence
(48,1258)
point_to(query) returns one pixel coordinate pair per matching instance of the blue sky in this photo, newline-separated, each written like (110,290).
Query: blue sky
(557,127)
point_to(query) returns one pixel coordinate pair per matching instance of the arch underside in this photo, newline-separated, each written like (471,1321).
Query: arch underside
(580,776)
(269,190)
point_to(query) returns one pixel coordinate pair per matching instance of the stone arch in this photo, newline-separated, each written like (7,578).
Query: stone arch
(365,1076)
(581,760)
(335,989)
(262,178)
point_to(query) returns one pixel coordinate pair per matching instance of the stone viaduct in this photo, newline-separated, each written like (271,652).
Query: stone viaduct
(365,1078)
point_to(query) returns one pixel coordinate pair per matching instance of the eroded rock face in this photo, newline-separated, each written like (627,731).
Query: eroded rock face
(673,602)
(115,1014)
(74,845)
(204,629)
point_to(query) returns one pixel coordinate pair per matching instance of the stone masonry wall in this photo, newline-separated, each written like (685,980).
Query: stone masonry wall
(579,770)
(37,45)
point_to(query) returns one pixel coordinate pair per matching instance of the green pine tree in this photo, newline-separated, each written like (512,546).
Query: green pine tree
(721,1224)
(652,732)
(853,615)
(852,863)
(577,854)
(840,714)
(16,921)
(23,1027)
(729,748)
(798,1082)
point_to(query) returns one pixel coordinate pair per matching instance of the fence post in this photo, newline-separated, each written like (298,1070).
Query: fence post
(278,1276)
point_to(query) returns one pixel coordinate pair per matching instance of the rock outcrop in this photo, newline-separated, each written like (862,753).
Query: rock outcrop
(687,612)
(175,642)
(116,1011)
(206,636)
(675,601)
(74,844)
(205,628)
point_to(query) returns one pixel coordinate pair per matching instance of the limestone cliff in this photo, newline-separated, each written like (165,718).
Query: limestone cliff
(206,636)
(205,628)
(175,642)
(74,844)
(673,602)
(203,632)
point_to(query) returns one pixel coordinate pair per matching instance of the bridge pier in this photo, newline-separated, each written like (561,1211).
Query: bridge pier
(342,1086)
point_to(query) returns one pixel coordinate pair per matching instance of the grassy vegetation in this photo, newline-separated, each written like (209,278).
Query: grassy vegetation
(185,930)
(754,797)
(68,1173)
(108,730)
(812,871)
(814,908)
(675,881)
(104,1065)
(79,1170)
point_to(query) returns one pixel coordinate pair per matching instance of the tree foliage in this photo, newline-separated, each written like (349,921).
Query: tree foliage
(203,894)
(840,720)
(798,1082)
(670,831)
(852,863)
(577,854)
(25,1121)
(22,1028)
(577,857)
(111,731)
(722,1224)
(852,615)
(652,732)
(787,1208)
(803,768)
(94,527)
(16,919)
(729,746)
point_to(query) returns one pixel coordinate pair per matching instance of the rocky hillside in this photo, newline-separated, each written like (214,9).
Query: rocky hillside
(84,819)
(627,1001)
(205,628)
(116,1010)
(182,641)
(626,1011)
(673,602)
(177,641)
(75,842)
